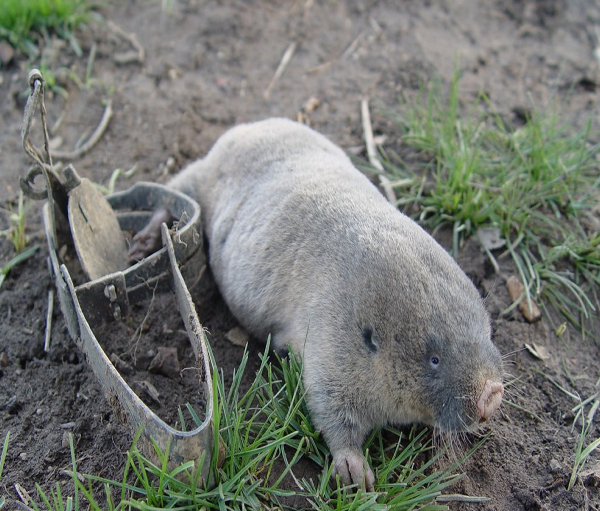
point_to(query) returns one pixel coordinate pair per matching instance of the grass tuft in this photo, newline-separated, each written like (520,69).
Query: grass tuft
(582,452)
(23,21)
(264,432)
(18,259)
(16,231)
(536,184)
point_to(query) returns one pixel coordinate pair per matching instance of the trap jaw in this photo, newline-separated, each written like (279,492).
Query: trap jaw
(76,214)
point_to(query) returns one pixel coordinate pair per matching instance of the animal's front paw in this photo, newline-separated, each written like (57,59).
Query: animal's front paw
(148,240)
(353,468)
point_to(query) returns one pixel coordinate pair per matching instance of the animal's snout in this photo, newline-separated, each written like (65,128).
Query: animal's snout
(490,399)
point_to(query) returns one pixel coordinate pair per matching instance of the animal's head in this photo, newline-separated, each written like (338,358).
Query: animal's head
(424,331)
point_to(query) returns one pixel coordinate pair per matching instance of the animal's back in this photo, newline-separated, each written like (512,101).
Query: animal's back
(289,220)
(272,194)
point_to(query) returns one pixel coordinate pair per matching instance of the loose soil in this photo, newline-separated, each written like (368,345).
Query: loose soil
(207,66)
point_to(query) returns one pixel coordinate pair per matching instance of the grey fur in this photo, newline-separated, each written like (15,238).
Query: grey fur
(305,248)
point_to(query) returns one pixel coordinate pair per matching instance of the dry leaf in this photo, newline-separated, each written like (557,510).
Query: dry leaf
(538,351)
(490,238)
(516,291)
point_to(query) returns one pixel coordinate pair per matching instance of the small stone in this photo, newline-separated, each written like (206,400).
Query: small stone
(555,466)
(7,53)
(23,456)
(126,57)
(238,336)
(13,405)
(55,143)
(170,163)
(64,442)
(165,362)
(39,411)
(3,359)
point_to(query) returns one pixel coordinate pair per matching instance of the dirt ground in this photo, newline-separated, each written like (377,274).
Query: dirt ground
(207,67)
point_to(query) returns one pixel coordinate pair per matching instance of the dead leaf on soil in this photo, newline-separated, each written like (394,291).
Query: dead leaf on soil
(490,238)
(238,336)
(538,351)
(592,473)
(516,291)
(311,104)
(165,362)
(145,387)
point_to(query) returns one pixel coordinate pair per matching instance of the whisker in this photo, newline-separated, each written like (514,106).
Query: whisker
(510,353)
(513,392)
(508,363)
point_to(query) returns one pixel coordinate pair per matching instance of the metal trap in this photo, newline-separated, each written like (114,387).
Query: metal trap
(78,216)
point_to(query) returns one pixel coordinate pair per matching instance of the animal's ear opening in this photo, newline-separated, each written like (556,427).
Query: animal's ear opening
(370,339)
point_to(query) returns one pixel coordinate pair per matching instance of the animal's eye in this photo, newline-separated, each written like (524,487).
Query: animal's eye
(434,361)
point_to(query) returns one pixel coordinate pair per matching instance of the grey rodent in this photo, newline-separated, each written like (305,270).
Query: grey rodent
(305,248)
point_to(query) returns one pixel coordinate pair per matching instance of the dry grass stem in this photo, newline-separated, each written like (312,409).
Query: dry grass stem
(285,60)
(23,494)
(49,320)
(353,46)
(454,497)
(372,153)
(125,58)
(92,141)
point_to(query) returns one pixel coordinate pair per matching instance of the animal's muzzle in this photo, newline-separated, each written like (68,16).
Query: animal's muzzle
(490,399)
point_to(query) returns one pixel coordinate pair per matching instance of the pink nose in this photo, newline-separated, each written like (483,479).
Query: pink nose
(490,399)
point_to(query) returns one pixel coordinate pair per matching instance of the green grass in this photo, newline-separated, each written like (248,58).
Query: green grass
(2,460)
(582,452)
(265,432)
(112,181)
(18,259)
(16,231)
(23,21)
(534,183)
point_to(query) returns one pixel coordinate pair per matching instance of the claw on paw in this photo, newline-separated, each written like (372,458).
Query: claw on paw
(353,468)
(148,240)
